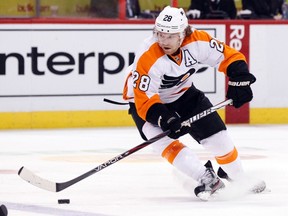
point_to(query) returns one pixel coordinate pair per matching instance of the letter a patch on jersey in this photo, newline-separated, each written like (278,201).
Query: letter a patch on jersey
(188,58)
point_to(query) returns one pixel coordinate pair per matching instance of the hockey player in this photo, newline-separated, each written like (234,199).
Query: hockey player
(161,95)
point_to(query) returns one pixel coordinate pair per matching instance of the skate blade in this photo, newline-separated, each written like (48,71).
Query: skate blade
(204,196)
(208,195)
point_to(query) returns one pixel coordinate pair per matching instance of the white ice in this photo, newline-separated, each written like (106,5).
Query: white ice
(141,184)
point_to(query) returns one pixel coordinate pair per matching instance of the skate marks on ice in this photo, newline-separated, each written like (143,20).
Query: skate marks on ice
(264,150)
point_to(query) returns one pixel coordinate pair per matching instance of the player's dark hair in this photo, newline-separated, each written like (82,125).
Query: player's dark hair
(188,31)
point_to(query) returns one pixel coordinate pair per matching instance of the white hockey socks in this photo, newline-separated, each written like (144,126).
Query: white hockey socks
(221,146)
(184,159)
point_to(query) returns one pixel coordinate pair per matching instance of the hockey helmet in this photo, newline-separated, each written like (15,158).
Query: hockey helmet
(171,20)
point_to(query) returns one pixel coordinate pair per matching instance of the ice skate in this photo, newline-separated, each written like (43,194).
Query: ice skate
(209,183)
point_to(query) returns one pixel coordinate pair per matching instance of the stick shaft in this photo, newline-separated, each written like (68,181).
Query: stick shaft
(62,186)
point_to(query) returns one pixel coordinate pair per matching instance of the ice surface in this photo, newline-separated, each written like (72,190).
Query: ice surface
(141,184)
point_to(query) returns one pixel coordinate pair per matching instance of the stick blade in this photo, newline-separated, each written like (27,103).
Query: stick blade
(37,181)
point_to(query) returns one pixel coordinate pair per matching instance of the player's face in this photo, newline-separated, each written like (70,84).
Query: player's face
(169,42)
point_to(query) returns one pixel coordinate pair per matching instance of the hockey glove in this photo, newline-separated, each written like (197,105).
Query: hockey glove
(239,89)
(160,115)
(170,121)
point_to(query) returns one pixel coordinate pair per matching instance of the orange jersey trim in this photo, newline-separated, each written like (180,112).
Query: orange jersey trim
(144,104)
(125,89)
(196,36)
(148,58)
(145,62)
(230,55)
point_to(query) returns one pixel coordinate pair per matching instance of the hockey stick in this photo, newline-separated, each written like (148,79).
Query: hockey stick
(114,102)
(45,184)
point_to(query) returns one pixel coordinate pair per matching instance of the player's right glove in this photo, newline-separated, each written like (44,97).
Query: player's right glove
(160,115)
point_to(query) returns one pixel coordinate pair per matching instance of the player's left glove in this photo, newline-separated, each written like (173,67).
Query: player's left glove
(240,79)
(239,89)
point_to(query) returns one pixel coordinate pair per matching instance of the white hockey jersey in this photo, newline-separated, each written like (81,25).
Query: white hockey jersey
(159,78)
